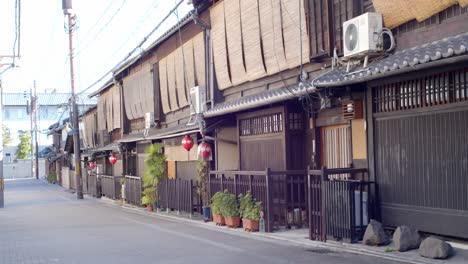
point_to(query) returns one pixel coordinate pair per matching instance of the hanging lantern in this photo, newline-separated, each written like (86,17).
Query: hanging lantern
(204,151)
(187,142)
(112,159)
(92,165)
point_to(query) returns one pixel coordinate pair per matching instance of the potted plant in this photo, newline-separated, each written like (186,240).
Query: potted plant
(230,210)
(149,198)
(250,212)
(216,204)
(202,189)
(155,171)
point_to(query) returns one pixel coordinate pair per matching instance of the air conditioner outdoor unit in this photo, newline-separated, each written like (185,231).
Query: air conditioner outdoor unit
(197,100)
(361,35)
(149,120)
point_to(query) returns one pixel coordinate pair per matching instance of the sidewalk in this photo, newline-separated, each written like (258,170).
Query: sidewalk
(299,237)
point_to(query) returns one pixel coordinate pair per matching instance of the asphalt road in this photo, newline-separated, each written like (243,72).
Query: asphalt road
(42,223)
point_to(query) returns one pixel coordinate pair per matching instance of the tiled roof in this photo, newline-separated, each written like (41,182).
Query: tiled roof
(159,133)
(401,61)
(172,131)
(44,99)
(260,99)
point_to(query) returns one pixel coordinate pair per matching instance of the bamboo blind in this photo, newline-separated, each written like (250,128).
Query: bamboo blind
(423,9)
(199,56)
(189,67)
(232,15)
(139,94)
(292,33)
(251,39)
(163,86)
(219,46)
(394,12)
(271,33)
(108,106)
(180,72)
(101,112)
(89,130)
(147,92)
(171,82)
(116,107)
(126,97)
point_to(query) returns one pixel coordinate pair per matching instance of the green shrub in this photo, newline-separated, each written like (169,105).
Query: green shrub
(229,205)
(217,202)
(249,208)
(149,195)
(155,171)
(52,177)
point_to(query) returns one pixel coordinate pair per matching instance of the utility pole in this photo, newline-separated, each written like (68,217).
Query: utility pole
(2,181)
(31,126)
(67,10)
(34,115)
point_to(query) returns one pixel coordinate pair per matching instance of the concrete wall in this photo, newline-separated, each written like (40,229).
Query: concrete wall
(22,169)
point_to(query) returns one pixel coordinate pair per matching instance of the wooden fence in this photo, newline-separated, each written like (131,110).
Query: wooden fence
(110,186)
(340,209)
(179,195)
(93,185)
(282,193)
(330,207)
(133,190)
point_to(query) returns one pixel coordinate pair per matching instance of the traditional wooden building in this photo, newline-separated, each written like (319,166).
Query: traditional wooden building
(279,106)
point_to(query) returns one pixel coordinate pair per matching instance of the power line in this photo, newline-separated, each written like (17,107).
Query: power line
(87,44)
(136,48)
(139,24)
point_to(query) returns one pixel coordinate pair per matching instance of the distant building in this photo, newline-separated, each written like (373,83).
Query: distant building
(51,107)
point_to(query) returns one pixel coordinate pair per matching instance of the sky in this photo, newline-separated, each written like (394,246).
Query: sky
(107,31)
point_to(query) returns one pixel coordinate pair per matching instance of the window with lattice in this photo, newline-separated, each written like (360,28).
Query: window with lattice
(266,124)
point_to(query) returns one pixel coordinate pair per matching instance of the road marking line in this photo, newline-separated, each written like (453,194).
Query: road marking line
(198,239)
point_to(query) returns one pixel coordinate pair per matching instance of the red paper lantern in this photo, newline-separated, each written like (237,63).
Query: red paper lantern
(112,159)
(187,142)
(204,150)
(92,165)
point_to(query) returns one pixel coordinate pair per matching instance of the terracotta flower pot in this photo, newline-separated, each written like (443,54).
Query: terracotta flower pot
(219,219)
(250,225)
(149,207)
(232,221)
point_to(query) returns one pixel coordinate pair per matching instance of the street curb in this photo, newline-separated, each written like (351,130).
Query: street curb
(340,248)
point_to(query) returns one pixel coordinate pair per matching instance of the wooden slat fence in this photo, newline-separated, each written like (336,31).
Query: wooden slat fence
(110,186)
(279,191)
(133,190)
(340,209)
(93,185)
(179,195)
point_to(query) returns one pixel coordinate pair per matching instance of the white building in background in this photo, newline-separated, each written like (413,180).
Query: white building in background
(51,107)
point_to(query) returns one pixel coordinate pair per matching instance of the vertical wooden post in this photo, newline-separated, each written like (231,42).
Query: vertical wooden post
(235,184)
(222,187)
(309,206)
(250,184)
(269,200)
(191,197)
(178,195)
(167,195)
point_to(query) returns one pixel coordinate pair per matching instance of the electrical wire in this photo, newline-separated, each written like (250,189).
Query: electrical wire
(149,9)
(136,48)
(87,44)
